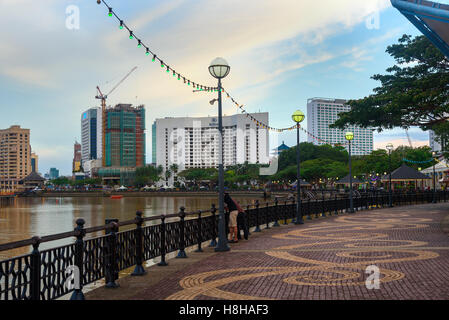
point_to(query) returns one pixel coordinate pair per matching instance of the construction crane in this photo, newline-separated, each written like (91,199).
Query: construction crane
(409,139)
(103,98)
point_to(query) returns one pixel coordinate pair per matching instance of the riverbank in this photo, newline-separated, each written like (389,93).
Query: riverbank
(97,194)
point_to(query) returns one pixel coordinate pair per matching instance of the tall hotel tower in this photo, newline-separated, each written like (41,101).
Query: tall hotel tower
(322,112)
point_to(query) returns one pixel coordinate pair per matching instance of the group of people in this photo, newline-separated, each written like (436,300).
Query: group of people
(236,221)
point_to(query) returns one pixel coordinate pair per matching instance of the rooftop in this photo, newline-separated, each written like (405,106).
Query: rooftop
(405,172)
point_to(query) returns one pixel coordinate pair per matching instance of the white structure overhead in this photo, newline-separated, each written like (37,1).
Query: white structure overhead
(431,18)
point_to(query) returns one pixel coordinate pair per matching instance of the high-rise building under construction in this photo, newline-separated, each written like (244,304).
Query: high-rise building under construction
(125,136)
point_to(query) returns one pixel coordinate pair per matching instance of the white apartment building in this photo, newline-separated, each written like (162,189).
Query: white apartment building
(322,112)
(193,142)
(434,144)
(91,134)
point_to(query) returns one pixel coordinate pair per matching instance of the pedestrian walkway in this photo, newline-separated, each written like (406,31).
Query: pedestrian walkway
(326,258)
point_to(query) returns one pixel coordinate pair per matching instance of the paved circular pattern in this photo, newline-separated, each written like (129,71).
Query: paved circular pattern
(331,253)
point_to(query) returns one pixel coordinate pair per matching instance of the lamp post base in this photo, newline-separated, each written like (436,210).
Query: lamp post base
(222,249)
(139,271)
(77,295)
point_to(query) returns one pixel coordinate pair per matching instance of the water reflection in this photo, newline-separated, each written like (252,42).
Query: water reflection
(28,217)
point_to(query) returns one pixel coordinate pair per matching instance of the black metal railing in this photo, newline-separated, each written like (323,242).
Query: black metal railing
(43,274)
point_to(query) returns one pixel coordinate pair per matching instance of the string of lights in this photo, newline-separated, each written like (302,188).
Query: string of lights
(263,125)
(186,80)
(155,58)
(417,162)
(248,115)
(195,85)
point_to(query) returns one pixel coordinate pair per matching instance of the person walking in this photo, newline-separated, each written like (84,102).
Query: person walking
(233,213)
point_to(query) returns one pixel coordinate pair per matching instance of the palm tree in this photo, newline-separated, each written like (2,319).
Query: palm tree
(167,176)
(174,168)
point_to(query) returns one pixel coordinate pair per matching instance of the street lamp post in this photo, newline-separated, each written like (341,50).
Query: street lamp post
(390,192)
(298,117)
(219,69)
(350,136)
(434,200)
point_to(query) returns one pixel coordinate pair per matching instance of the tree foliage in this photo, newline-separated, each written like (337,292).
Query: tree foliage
(147,175)
(414,92)
(196,175)
(309,151)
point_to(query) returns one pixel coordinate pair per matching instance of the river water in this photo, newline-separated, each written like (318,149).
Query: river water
(28,217)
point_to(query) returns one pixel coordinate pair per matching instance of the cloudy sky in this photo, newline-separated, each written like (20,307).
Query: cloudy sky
(281,53)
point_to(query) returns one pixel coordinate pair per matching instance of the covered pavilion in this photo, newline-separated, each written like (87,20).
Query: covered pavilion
(405,177)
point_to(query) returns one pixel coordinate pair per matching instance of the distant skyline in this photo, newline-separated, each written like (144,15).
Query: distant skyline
(281,53)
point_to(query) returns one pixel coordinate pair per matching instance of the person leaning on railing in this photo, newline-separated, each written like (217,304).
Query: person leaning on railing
(233,212)
(237,219)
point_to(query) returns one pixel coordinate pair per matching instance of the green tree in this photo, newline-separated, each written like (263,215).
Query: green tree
(309,151)
(61,181)
(195,175)
(414,92)
(316,169)
(147,175)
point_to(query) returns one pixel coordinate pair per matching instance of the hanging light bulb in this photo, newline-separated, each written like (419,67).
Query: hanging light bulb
(154,57)
(174,73)
(110,12)
(168,69)
(162,64)
(139,44)
(131,36)
(179,76)
(148,52)
(121,24)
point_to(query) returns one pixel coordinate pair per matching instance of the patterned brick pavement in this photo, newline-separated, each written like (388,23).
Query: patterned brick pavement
(324,259)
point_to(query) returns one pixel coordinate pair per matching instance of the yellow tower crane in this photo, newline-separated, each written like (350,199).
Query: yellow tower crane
(103,98)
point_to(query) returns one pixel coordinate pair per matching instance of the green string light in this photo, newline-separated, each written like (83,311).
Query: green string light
(140,44)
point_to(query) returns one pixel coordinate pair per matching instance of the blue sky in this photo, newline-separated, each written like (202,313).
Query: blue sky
(281,53)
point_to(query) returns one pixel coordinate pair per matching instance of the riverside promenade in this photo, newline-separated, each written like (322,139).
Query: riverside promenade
(326,258)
